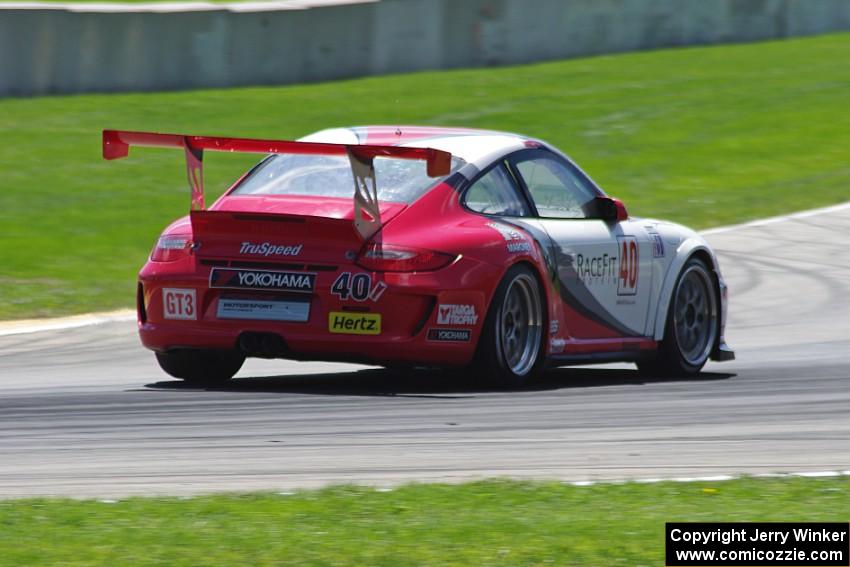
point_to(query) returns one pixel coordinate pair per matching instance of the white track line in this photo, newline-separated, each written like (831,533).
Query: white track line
(182,7)
(773,220)
(41,325)
(714,478)
(581,483)
(62,323)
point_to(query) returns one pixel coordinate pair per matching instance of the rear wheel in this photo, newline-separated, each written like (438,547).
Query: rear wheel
(201,367)
(510,345)
(691,328)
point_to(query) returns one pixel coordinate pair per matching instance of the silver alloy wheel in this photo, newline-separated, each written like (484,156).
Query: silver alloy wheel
(695,315)
(520,324)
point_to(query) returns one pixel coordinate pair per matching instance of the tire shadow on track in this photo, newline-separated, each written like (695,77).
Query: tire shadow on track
(430,383)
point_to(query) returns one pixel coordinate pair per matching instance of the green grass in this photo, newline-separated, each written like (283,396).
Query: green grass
(703,136)
(486,523)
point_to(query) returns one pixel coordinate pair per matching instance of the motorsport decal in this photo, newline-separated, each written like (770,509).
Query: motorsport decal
(357,287)
(269,249)
(179,304)
(453,314)
(627,279)
(449,335)
(230,278)
(261,310)
(354,323)
(516,242)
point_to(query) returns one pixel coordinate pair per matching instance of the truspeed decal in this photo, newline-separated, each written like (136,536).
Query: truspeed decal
(229,278)
(456,314)
(449,335)
(516,241)
(269,249)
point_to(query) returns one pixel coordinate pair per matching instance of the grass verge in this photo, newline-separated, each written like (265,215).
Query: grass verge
(484,523)
(704,136)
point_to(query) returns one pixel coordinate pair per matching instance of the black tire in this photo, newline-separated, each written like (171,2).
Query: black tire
(509,350)
(692,325)
(201,367)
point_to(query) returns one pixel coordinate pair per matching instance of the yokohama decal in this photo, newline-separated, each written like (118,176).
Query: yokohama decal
(301,282)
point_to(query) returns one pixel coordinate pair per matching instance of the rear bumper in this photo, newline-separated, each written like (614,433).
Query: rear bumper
(408,310)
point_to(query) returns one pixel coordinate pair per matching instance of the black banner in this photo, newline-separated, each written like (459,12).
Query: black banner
(229,278)
(744,544)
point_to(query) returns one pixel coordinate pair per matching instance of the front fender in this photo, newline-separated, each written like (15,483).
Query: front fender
(693,244)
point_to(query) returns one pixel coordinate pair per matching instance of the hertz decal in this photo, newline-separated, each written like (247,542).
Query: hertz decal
(354,323)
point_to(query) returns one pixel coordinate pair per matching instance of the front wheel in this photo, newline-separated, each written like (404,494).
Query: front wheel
(510,344)
(201,367)
(692,324)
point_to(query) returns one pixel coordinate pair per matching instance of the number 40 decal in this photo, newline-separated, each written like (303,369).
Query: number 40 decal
(628,275)
(357,287)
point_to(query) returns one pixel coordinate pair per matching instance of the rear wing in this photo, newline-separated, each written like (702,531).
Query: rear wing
(367,215)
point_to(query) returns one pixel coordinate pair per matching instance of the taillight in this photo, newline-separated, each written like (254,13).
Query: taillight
(383,258)
(171,248)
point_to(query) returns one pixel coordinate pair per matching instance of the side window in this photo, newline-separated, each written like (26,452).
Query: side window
(495,194)
(556,190)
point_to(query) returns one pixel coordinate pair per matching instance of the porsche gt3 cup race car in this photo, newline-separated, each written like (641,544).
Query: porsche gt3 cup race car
(420,246)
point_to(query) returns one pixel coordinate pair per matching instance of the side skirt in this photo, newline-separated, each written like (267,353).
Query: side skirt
(598,357)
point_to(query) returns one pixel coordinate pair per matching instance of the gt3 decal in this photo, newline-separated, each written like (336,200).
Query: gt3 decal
(628,274)
(357,287)
(449,335)
(354,323)
(452,314)
(179,304)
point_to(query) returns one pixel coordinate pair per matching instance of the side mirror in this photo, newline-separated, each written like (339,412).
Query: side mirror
(610,209)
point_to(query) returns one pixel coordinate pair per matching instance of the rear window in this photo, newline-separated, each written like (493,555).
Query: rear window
(398,180)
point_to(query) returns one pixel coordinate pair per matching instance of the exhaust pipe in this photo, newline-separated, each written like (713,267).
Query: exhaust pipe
(262,345)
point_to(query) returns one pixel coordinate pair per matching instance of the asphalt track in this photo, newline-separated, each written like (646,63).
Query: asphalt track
(86,411)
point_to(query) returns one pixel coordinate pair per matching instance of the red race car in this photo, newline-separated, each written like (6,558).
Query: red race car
(420,246)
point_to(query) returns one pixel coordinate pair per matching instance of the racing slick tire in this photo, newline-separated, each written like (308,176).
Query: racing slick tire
(201,367)
(509,350)
(692,326)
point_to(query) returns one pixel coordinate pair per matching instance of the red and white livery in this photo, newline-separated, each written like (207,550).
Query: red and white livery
(420,246)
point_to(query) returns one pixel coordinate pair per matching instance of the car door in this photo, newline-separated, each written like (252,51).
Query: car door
(603,266)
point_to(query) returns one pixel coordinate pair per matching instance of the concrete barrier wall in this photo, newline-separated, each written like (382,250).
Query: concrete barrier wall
(46,49)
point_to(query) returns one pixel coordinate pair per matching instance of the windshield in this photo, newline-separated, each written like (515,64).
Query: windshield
(398,180)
